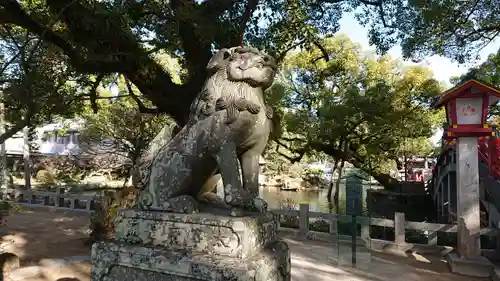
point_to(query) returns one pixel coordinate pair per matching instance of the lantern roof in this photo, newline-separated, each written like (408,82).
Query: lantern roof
(472,86)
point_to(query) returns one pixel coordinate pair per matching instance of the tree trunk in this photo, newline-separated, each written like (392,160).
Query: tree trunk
(127,177)
(385,180)
(330,186)
(337,187)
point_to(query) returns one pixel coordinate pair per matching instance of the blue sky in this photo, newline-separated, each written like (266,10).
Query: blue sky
(443,68)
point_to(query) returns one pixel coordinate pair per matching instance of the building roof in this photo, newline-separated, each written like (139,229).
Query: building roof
(465,87)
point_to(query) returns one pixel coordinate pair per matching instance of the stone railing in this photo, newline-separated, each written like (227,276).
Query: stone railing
(399,225)
(59,200)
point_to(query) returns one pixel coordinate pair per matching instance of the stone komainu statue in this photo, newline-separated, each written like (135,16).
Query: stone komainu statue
(229,121)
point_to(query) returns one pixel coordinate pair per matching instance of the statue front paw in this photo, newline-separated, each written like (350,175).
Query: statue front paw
(258,205)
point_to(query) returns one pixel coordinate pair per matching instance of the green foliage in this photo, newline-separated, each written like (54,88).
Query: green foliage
(102,221)
(275,163)
(455,29)
(313,178)
(314,172)
(45,177)
(54,55)
(489,72)
(36,80)
(59,168)
(120,129)
(420,146)
(289,221)
(373,104)
(5,210)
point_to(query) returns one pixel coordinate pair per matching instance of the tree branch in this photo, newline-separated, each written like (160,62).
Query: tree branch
(323,51)
(140,104)
(17,127)
(93,93)
(249,9)
(217,7)
(301,152)
(282,55)
(121,54)
(14,14)
(197,51)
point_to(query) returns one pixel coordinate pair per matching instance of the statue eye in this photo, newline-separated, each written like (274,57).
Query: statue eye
(226,55)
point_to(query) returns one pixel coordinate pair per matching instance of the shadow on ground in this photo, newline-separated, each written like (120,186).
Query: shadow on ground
(38,234)
(319,261)
(33,235)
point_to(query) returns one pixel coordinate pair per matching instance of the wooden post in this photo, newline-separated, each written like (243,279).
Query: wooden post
(88,204)
(46,200)
(31,198)
(365,231)
(399,228)
(304,219)
(59,199)
(277,220)
(73,203)
(333,225)
(433,239)
(26,157)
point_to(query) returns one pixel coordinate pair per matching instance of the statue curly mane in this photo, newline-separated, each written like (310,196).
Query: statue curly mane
(220,85)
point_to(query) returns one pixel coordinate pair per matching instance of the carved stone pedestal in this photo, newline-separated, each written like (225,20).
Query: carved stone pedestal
(181,247)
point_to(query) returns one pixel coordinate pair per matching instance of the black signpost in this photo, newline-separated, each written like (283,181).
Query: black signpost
(354,206)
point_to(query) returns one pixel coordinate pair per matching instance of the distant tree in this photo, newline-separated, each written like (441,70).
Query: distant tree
(120,131)
(355,107)
(452,28)
(489,72)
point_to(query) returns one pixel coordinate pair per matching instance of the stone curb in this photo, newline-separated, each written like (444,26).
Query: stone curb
(36,270)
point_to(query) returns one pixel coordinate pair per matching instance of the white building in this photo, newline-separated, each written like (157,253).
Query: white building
(52,139)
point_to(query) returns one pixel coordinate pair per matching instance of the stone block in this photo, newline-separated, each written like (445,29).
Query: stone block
(119,261)
(239,237)
(480,267)
(495,274)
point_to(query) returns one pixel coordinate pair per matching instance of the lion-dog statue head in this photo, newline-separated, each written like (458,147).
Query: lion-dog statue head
(240,64)
(238,73)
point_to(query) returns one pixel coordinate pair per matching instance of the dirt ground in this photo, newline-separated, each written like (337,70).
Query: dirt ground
(38,235)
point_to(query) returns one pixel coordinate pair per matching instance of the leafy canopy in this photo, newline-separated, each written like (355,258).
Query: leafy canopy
(455,29)
(119,128)
(373,106)
(71,47)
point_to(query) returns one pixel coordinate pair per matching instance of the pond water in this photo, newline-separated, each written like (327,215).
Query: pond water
(316,198)
(282,199)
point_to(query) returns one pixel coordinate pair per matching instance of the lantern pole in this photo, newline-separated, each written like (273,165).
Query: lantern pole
(26,157)
(3,150)
(469,245)
(466,108)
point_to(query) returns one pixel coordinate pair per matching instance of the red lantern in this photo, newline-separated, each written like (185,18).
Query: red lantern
(467,108)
